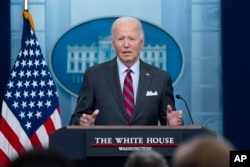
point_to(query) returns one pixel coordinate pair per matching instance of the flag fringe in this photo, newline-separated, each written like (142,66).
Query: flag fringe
(28,16)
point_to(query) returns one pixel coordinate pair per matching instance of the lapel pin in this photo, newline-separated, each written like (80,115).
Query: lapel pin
(147,74)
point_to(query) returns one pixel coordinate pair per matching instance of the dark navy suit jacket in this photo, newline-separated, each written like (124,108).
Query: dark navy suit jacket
(101,90)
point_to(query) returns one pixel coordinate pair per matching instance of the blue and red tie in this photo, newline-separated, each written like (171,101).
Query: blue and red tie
(128,94)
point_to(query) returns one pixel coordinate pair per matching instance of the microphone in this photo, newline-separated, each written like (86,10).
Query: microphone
(179,97)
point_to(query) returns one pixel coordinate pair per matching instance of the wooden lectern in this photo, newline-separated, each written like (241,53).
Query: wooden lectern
(110,145)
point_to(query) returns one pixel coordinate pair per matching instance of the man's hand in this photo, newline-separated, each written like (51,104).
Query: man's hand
(174,118)
(87,120)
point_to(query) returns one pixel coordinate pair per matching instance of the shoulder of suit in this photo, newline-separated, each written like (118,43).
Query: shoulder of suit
(152,68)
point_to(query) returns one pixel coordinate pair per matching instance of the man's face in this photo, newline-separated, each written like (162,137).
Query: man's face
(127,41)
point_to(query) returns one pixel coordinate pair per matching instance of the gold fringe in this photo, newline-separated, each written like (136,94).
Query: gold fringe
(28,16)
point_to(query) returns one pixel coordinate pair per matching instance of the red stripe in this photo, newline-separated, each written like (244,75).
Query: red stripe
(4,160)
(131,98)
(128,107)
(11,136)
(134,145)
(58,110)
(35,141)
(49,126)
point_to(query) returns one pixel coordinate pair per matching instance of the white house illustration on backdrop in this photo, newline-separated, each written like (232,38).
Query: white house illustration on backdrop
(82,57)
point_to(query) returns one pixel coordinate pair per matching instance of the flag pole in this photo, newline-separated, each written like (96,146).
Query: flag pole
(27,15)
(26,5)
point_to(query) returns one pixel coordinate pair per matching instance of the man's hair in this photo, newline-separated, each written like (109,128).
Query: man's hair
(203,151)
(41,158)
(125,19)
(146,159)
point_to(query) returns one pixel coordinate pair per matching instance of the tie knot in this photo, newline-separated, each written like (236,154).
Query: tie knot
(128,70)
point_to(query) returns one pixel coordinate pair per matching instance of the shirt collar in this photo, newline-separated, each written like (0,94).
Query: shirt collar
(122,68)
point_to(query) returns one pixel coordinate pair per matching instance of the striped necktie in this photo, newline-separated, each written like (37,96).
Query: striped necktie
(128,94)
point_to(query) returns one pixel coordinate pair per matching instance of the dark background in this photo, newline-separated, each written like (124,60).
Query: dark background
(235,22)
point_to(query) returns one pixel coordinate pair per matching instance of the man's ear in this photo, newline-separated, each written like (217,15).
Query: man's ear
(142,42)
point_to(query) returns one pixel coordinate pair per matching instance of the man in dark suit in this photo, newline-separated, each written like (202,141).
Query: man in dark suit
(147,97)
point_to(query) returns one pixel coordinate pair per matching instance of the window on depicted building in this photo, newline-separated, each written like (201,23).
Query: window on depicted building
(87,64)
(160,65)
(80,55)
(72,55)
(153,54)
(145,55)
(79,66)
(72,66)
(161,54)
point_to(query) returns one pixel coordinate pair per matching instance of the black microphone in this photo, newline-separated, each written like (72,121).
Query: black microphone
(179,97)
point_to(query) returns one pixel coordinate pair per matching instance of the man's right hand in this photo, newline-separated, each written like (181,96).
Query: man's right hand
(88,120)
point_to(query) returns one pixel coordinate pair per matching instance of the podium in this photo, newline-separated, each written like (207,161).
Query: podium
(110,145)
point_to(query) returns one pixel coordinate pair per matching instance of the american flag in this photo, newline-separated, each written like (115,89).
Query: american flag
(30,108)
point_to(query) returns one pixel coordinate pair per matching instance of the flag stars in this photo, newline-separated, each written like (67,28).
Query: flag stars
(15,104)
(30,63)
(20,53)
(43,63)
(33,94)
(17,94)
(37,52)
(17,64)
(41,94)
(25,94)
(43,73)
(31,32)
(21,74)
(22,115)
(49,93)
(31,52)
(37,43)
(32,42)
(25,52)
(48,103)
(32,104)
(28,74)
(24,104)
(13,74)
(28,125)
(50,83)
(19,84)
(40,104)
(8,94)
(27,42)
(38,114)
(42,83)
(23,63)
(34,84)
(36,63)
(35,73)
(10,84)
(30,114)
(56,94)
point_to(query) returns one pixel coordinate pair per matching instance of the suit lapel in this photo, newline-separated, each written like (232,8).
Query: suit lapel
(112,76)
(144,81)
